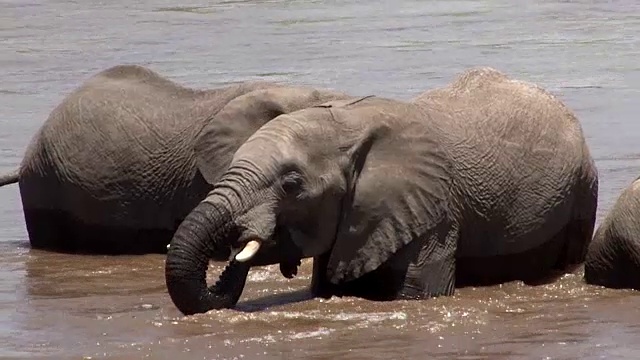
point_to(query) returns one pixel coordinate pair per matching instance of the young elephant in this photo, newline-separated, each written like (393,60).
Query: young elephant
(113,169)
(613,258)
(484,181)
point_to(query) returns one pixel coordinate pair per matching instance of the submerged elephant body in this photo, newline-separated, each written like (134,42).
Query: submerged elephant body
(113,170)
(486,180)
(613,258)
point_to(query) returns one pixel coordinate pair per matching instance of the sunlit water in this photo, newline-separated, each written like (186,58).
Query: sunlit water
(68,307)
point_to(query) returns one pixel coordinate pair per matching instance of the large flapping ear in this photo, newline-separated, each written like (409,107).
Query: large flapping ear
(399,183)
(244,115)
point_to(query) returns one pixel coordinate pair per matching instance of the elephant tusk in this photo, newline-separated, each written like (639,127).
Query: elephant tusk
(249,251)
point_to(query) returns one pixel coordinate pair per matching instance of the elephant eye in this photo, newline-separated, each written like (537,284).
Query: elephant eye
(292,184)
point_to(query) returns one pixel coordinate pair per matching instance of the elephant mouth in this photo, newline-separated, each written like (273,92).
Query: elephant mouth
(277,249)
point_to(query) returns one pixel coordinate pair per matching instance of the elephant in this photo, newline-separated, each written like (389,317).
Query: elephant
(613,257)
(485,180)
(114,168)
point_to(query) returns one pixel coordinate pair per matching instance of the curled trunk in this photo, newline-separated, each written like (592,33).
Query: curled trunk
(205,234)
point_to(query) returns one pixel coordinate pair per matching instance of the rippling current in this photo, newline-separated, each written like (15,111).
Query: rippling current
(71,307)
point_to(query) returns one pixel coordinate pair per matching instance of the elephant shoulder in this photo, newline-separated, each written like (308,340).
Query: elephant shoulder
(124,76)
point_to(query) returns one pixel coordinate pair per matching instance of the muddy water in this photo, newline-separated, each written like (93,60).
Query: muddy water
(69,307)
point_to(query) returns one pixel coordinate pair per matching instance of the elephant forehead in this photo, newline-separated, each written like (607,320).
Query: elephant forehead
(268,152)
(287,134)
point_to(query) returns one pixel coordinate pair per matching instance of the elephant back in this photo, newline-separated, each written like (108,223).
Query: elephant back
(519,158)
(119,145)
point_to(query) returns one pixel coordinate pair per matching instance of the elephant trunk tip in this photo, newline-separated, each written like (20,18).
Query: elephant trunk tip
(185,277)
(191,295)
(205,234)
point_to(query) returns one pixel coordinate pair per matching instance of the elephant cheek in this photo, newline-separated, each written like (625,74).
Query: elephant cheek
(308,245)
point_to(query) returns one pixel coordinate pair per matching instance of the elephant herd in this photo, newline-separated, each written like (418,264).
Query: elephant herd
(485,180)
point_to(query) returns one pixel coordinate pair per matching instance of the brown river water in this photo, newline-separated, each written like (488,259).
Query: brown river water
(57,306)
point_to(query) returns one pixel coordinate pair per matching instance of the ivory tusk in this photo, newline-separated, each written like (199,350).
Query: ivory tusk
(249,251)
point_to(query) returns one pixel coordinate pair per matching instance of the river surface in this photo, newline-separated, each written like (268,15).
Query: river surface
(72,307)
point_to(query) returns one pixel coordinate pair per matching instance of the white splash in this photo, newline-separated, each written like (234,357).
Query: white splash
(312,334)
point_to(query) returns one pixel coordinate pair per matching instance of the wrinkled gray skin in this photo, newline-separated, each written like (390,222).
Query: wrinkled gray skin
(613,258)
(484,181)
(113,169)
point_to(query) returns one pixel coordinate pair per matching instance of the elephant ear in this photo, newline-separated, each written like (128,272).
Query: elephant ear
(399,186)
(241,117)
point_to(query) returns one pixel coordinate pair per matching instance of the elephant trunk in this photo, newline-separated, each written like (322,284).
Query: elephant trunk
(206,233)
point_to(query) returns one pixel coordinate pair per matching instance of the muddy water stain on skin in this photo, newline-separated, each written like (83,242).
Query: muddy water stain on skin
(57,306)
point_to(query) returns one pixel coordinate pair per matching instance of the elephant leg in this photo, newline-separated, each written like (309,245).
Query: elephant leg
(430,279)
(382,284)
(580,229)
(432,272)
(579,233)
(368,287)
(47,229)
(320,286)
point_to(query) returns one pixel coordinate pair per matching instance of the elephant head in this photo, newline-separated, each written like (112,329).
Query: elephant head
(341,179)
(241,117)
